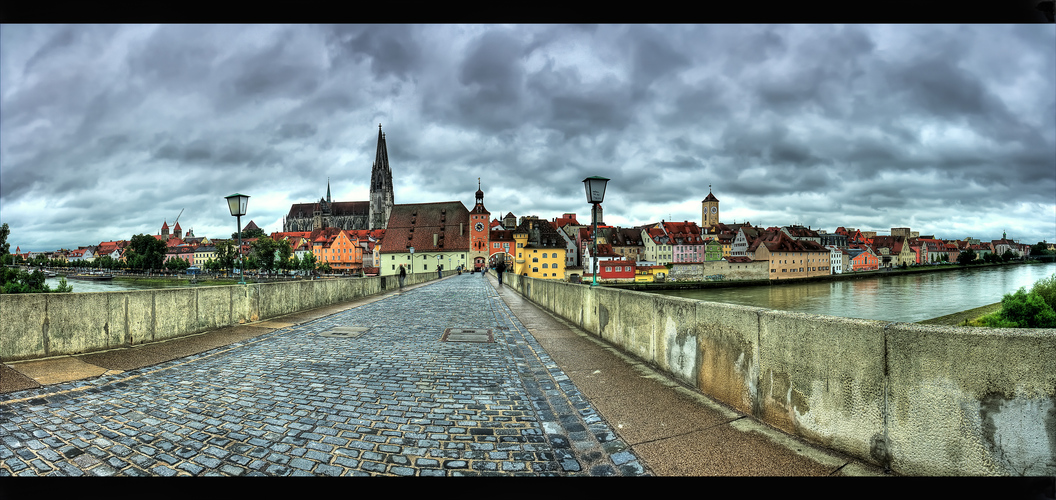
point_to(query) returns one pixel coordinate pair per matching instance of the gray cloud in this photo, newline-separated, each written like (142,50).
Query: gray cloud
(107,131)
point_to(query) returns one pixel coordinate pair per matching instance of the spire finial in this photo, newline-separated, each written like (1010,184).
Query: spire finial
(478,183)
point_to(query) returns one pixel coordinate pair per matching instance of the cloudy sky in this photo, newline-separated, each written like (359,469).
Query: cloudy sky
(109,131)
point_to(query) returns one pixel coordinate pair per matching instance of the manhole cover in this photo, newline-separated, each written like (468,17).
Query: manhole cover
(344,332)
(467,335)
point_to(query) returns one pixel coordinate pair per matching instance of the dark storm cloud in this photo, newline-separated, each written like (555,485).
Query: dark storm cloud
(391,50)
(831,125)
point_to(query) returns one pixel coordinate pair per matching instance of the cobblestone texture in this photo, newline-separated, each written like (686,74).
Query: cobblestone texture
(392,401)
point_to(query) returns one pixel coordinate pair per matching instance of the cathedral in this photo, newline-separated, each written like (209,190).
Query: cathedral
(372,214)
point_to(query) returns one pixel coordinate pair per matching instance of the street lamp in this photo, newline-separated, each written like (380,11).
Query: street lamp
(411,249)
(595,195)
(236,203)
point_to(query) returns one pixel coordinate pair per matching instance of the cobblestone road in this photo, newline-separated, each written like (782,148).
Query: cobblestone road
(369,391)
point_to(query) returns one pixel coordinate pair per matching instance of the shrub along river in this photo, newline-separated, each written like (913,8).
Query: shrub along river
(900,297)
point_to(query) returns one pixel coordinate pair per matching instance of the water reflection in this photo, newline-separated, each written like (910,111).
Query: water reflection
(913,297)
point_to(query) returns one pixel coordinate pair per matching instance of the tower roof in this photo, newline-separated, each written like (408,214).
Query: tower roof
(381,175)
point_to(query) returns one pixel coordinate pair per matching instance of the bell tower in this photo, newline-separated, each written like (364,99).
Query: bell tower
(709,212)
(479,230)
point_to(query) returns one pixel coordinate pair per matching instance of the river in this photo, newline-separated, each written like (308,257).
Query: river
(904,297)
(117,285)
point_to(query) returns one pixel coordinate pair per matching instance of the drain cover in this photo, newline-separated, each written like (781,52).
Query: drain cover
(345,332)
(467,335)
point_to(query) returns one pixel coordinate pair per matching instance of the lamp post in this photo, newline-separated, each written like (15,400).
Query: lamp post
(595,194)
(411,249)
(236,203)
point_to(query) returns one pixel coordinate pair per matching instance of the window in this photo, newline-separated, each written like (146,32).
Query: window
(535,259)
(544,265)
(608,269)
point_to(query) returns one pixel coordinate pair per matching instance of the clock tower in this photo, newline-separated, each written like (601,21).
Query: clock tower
(709,212)
(479,230)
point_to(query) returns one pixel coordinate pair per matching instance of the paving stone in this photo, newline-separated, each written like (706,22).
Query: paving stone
(392,401)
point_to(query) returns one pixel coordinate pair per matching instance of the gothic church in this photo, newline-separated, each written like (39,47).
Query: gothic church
(372,214)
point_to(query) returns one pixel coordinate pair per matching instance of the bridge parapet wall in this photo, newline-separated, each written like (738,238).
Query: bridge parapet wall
(40,325)
(920,400)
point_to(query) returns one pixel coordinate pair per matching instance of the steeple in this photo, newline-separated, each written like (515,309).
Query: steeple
(328,190)
(381,192)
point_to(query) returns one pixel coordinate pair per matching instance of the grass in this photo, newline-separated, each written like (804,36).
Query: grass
(964,318)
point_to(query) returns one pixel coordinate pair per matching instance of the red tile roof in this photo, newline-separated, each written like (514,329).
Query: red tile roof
(413,225)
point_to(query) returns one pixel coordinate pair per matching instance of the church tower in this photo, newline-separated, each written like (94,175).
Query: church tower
(479,230)
(709,212)
(381,198)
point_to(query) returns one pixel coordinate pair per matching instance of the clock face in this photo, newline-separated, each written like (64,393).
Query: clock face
(480,226)
(714,209)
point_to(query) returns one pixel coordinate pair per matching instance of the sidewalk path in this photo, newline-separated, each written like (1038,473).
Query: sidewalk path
(454,377)
(372,390)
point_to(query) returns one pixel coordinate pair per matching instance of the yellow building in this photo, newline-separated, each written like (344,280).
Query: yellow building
(540,250)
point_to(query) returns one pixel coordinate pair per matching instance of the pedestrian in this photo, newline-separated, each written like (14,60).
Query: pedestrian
(439,271)
(403,275)
(499,269)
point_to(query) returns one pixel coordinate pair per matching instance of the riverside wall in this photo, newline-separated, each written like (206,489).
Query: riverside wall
(917,399)
(39,325)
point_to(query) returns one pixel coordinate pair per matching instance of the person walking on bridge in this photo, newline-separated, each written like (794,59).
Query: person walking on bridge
(499,269)
(403,275)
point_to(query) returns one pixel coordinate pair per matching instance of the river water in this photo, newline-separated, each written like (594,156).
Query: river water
(116,285)
(907,298)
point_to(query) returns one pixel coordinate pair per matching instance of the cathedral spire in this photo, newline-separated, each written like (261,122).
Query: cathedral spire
(381,191)
(328,190)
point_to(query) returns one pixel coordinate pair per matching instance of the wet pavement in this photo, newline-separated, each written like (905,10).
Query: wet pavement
(438,380)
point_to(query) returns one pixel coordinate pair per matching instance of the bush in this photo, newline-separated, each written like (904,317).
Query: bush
(1027,310)
(1046,289)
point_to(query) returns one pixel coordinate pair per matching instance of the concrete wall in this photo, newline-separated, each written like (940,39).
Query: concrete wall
(918,399)
(41,325)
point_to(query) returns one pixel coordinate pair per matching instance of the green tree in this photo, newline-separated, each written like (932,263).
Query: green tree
(5,231)
(264,249)
(966,257)
(145,252)
(308,263)
(252,233)
(1027,310)
(1008,255)
(177,264)
(284,252)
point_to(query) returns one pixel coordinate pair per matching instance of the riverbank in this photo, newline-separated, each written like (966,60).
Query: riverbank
(694,285)
(174,282)
(961,318)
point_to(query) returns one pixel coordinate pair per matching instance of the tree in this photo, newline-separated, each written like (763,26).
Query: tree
(226,254)
(308,263)
(1008,255)
(4,233)
(177,264)
(264,250)
(145,252)
(284,254)
(255,232)
(966,257)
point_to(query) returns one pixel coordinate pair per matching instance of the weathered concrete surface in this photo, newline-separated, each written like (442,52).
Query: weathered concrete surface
(45,325)
(918,399)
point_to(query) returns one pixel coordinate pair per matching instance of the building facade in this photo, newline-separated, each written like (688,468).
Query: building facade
(370,214)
